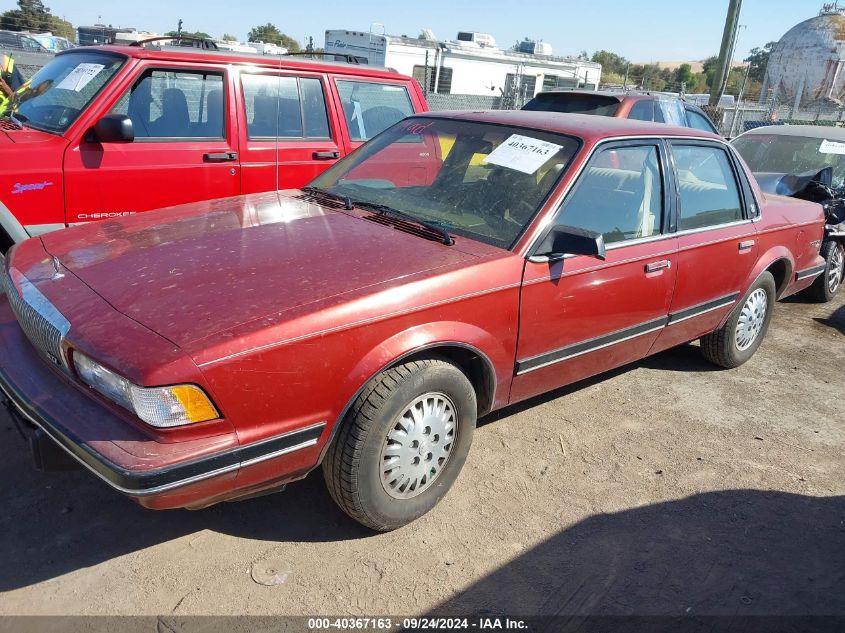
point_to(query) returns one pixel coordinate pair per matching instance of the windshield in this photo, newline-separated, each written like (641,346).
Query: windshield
(58,93)
(792,154)
(573,103)
(476,180)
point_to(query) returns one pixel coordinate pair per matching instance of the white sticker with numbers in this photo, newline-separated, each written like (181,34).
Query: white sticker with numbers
(832,147)
(80,77)
(522,153)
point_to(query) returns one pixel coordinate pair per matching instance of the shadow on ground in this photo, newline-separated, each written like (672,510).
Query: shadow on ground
(835,320)
(53,524)
(732,553)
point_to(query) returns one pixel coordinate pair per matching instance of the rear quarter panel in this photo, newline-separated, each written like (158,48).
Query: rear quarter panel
(791,230)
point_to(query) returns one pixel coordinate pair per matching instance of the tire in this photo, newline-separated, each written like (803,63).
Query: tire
(827,284)
(735,342)
(354,464)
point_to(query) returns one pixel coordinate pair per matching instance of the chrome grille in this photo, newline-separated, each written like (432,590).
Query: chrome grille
(39,319)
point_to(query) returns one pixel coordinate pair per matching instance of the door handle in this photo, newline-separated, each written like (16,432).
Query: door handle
(653,267)
(325,155)
(746,244)
(220,157)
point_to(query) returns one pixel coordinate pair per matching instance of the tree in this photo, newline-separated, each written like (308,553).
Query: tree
(229,38)
(758,60)
(684,75)
(610,62)
(270,34)
(200,35)
(709,66)
(33,15)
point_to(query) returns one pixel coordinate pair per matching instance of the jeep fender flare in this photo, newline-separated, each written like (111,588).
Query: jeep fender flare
(427,337)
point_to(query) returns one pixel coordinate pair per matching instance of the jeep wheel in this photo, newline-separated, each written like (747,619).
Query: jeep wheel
(737,340)
(825,286)
(402,444)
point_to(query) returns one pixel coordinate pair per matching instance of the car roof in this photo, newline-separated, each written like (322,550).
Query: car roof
(810,131)
(184,54)
(619,95)
(586,126)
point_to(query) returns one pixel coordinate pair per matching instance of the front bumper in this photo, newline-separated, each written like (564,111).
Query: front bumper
(159,473)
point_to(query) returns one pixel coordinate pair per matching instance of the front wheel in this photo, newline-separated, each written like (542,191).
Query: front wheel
(402,444)
(825,286)
(737,340)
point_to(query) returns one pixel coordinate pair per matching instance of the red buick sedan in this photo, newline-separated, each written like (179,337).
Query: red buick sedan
(456,264)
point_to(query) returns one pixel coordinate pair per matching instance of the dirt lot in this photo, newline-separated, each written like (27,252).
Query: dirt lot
(667,487)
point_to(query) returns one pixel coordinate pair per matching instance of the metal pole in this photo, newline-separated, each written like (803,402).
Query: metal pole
(731,24)
(625,83)
(739,101)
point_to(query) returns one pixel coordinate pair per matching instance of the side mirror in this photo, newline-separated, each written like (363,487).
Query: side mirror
(113,128)
(569,240)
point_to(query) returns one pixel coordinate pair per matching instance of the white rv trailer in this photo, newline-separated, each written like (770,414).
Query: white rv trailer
(468,65)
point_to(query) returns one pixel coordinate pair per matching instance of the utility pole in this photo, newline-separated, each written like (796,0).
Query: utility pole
(625,83)
(722,70)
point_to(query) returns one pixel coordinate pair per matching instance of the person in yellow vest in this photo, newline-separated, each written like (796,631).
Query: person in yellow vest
(11,82)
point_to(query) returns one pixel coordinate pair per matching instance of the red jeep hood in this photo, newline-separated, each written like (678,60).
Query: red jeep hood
(190,271)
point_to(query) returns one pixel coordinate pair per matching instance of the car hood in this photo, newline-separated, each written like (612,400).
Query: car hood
(191,271)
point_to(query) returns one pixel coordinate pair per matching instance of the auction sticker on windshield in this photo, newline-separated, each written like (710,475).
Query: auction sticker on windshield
(832,147)
(522,153)
(80,77)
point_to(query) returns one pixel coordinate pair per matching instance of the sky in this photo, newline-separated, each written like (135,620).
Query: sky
(642,31)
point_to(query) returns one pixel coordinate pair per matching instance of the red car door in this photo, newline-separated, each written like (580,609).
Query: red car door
(184,148)
(580,316)
(290,133)
(717,239)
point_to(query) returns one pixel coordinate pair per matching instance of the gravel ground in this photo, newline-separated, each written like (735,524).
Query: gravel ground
(665,487)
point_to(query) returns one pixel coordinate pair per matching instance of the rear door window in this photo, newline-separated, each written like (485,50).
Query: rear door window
(708,190)
(370,107)
(285,107)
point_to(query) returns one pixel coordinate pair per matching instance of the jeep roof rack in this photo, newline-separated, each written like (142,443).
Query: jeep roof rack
(196,42)
(349,59)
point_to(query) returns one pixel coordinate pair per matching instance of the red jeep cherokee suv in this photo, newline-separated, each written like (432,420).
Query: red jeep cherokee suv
(104,132)
(455,264)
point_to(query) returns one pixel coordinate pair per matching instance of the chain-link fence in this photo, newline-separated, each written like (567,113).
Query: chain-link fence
(745,116)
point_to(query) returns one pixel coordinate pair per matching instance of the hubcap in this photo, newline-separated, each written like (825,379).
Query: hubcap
(751,319)
(834,274)
(418,446)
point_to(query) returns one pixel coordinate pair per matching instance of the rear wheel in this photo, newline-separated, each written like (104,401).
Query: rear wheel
(826,285)
(402,444)
(737,340)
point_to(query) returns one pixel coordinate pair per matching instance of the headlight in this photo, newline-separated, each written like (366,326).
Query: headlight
(162,407)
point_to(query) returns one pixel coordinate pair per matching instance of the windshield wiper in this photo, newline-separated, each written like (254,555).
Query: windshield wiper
(347,203)
(16,119)
(383,209)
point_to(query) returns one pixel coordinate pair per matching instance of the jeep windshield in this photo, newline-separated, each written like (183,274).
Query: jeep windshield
(477,180)
(58,93)
(792,154)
